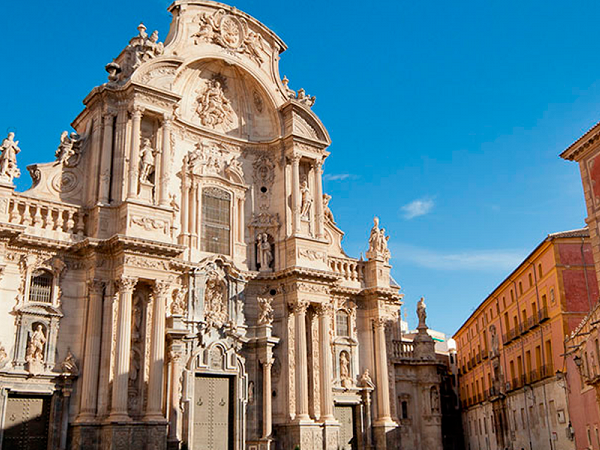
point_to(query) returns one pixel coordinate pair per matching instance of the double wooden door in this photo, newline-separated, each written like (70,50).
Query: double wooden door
(347,437)
(213,413)
(26,423)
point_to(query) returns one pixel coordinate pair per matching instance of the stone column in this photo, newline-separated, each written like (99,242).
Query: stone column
(118,411)
(165,159)
(267,399)
(105,159)
(89,383)
(381,365)
(301,361)
(324,312)
(185,208)
(193,217)
(157,351)
(295,160)
(318,200)
(134,156)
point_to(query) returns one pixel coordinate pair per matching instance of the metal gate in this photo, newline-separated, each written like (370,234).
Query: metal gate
(345,416)
(26,423)
(212,413)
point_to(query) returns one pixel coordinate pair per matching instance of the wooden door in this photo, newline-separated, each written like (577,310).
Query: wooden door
(212,413)
(26,423)
(345,416)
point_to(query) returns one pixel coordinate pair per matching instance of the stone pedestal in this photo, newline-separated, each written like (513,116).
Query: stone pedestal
(146,192)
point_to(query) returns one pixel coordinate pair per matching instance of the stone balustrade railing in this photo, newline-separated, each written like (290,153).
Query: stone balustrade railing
(46,215)
(403,349)
(350,269)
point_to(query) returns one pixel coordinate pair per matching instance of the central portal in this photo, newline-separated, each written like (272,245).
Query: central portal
(345,416)
(213,412)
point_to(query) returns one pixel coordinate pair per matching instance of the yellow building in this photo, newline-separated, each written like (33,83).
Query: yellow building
(510,349)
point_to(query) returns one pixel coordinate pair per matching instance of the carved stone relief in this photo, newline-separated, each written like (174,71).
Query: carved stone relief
(232,33)
(213,107)
(215,300)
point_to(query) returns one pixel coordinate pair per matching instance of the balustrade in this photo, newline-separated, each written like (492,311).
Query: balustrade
(46,215)
(403,349)
(350,269)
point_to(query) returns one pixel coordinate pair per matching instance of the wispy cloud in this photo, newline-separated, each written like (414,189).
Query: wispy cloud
(417,208)
(338,176)
(471,260)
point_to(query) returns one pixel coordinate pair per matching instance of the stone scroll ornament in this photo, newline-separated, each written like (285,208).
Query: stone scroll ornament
(8,159)
(378,243)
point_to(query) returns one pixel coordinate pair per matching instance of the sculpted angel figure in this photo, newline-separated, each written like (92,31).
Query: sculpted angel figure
(8,158)
(265,311)
(146,161)
(306,200)
(66,148)
(326,209)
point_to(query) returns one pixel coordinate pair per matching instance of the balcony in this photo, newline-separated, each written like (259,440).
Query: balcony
(543,314)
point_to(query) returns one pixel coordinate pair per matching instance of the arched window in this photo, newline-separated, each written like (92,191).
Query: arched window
(40,287)
(216,221)
(342,325)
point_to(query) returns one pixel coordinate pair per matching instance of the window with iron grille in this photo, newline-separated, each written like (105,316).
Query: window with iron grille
(341,324)
(216,221)
(40,287)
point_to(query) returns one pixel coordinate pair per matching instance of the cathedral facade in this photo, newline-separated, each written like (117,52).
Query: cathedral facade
(175,278)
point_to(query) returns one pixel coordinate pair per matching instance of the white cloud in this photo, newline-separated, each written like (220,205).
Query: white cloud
(474,260)
(337,176)
(418,207)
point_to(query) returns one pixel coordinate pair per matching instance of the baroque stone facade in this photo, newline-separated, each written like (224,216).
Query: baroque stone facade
(175,279)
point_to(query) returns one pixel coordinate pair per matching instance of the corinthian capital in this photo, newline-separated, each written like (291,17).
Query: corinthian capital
(126,284)
(299,306)
(161,288)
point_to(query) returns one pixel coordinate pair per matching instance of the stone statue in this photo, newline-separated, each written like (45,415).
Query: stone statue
(179,304)
(365,380)
(3,357)
(421,313)
(215,300)
(345,370)
(67,152)
(8,158)
(265,311)
(378,242)
(264,252)
(213,108)
(35,350)
(69,364)
(306,200)
(326,209)
(146,161)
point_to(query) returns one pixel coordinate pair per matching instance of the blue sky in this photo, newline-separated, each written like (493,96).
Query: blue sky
(447,118)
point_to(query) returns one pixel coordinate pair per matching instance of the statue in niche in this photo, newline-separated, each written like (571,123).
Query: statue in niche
(213,108)
(68,150)
(421,313)
(3,356)
(378,242)
(265,311)
(345,370)
(35,350)
(306,200)
(146,162)
(435,400)
(8,158)
(69,364)
(264,252)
